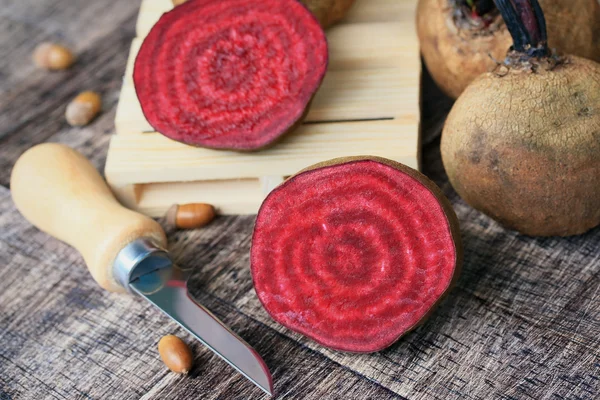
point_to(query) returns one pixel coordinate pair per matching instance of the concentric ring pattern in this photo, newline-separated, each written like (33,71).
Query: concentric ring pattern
(352,255)
(232,74)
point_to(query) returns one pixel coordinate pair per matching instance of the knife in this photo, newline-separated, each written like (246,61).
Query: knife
(59,191)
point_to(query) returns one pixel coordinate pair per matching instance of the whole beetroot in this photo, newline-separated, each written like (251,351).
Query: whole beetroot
(460,39)
(522,144)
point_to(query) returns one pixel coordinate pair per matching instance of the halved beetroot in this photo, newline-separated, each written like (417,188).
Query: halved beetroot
(355,252)
(230,74)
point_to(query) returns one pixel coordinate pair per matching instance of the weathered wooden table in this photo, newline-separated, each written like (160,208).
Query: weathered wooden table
(523,322)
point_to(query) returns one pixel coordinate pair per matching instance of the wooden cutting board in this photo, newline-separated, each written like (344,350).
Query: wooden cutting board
(368,104)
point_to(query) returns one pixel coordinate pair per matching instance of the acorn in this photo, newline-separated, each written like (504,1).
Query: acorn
(52,56)
(190,216)
(83,108)
(176,354)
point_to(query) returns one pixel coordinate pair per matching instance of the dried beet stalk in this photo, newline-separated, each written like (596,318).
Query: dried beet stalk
(230,74)
(354,252)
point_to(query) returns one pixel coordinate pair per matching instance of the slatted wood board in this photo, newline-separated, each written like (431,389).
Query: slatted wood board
(368,104)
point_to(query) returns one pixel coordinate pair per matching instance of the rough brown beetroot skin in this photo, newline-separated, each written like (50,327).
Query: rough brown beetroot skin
(230,74)
(328,12)
(455,56)
(354,252)
(524,147)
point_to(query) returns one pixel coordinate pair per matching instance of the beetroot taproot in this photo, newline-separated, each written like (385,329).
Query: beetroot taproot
(522,144)
(354,252)
(461,39)
(230,74)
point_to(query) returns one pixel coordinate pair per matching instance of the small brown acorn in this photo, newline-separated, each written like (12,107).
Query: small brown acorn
(52,56)
(83,109)
(176,355)
(190,216)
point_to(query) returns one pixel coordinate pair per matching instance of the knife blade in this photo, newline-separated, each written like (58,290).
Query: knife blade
(59,191)
(166,288)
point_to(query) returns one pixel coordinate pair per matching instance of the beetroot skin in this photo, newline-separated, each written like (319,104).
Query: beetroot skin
(230,74)
(354,252)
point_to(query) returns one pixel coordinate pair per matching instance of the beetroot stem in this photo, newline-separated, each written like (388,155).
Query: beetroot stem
(483,7)
(479,7)
(527,26)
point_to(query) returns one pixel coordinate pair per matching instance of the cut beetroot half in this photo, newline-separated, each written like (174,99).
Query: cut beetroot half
(355,252)
(230,74)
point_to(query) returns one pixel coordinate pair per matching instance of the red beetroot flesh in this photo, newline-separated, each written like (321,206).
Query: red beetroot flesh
(352,255)
(230,74)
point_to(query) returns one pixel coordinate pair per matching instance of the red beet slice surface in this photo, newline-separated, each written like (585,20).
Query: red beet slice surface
(355,252)
(230,74)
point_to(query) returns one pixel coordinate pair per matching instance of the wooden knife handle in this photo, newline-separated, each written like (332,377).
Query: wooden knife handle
(59,191)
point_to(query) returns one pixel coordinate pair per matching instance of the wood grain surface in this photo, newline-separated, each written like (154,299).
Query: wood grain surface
(523,322)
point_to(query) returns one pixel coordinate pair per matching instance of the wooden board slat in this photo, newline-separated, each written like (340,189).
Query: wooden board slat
(361,11)
(385,89)
(154,158)
(150,12)
(370,45)
(380,11)
(344,95)
(243,196)
(149,172)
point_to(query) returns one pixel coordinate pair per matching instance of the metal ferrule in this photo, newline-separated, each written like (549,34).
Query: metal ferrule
(139,258)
